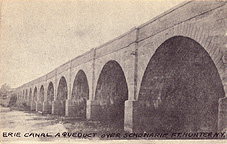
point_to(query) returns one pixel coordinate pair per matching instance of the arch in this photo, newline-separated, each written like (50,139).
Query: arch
(50,95)
(62,94)
(35,94)
(23,94)
(80,93)
(26,95)
(112,92)
(41,94)
(20,93)
(181,86)
(30,96)
(50,92)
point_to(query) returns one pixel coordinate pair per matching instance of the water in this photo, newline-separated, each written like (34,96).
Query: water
(27,124)
(23,124)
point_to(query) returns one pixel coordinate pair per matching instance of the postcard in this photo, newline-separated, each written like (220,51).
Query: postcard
(113,71)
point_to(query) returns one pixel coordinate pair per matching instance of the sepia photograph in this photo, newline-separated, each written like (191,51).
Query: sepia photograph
(113,71)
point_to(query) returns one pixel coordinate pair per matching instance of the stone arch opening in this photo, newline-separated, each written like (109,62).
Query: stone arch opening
(50,95)
(41,94)
(112,92)
(50,92)
(180,89)
(26,95)
(62,95)
(80,94)
(35,95)
(30,97)
(23,95)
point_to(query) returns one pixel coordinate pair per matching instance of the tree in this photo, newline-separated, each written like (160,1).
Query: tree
(4,90)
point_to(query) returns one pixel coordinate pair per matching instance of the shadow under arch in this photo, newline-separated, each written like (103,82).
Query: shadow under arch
(50,96)
(26,96)
(62,95)
(112,92)
(80,94)
(41,94)
(180,89)
(23,95)
(35,94)
(30,97)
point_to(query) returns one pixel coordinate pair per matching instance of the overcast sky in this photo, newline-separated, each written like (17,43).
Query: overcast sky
(39,35)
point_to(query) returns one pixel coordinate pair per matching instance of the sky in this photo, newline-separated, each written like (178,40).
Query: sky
(37,36)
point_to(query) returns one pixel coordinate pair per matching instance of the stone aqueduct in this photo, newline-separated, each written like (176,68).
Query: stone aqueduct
(168,74)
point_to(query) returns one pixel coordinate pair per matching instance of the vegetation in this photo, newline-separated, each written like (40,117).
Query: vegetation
(4,91)
(7,97)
